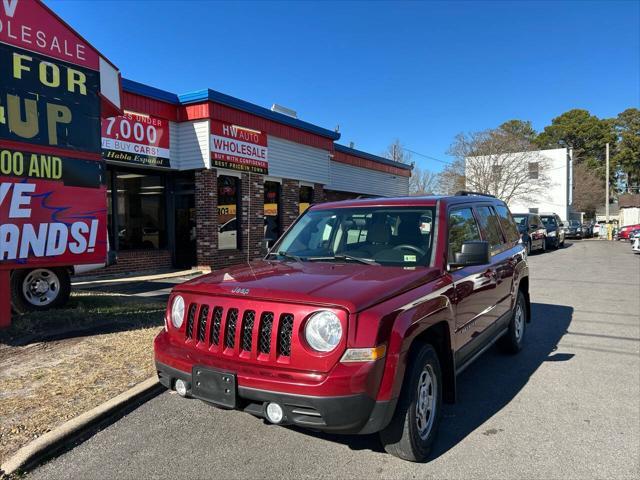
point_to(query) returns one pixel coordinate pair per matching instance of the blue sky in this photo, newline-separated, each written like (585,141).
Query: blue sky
(417,71)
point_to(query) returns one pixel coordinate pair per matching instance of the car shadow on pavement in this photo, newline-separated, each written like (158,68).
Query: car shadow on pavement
(488,384)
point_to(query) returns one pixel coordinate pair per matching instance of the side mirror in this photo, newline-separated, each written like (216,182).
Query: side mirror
(533,226)
(473,253)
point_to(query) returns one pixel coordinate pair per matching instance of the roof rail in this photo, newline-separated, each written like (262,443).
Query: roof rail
(464,193)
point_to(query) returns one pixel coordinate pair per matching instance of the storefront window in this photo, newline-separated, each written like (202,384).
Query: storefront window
(228,195)
(140,208)
(271,212)
(306,197)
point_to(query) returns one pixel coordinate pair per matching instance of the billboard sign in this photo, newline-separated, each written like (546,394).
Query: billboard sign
(136,138)
(53,207)
(238,148)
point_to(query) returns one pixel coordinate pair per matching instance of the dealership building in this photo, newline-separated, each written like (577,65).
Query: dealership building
(200,179)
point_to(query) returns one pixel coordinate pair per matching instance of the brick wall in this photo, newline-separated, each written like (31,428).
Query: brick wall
(289,201)
(251,211)
(130,261)
(206,187)
(318,193)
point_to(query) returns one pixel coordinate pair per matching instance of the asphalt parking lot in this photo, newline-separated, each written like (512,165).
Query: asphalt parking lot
(567,407)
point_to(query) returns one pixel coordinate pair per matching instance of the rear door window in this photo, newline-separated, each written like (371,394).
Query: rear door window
(507,223)
(490,227)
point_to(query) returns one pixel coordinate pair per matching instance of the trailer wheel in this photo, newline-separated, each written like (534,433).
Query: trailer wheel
(39,289)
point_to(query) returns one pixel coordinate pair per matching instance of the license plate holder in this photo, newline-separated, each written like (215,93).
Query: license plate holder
(214,386)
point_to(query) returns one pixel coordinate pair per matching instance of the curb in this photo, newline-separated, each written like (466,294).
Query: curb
(87,283)
(79,428)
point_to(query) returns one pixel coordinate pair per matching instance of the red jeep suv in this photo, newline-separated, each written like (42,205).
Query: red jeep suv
(358,320)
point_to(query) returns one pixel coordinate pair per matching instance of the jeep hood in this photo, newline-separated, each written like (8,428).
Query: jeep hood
(353,287)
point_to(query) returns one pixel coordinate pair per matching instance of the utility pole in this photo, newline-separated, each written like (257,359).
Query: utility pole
(606,205)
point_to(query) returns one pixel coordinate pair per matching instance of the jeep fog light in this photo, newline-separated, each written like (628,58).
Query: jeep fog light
(177,311)
(274,412)
(181,387)
(323,331)
(363,354)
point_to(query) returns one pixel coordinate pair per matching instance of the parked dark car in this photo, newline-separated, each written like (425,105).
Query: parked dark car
(555,230)
(532,231)
(574,230)
(587,230)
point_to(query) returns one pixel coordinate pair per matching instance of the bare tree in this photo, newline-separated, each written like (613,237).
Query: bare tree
(422,182)
(451,179)
(588,193)
(502,164)
(396,152)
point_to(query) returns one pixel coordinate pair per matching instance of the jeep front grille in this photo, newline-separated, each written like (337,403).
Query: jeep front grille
(190,319)
(266,325)
(231,329)
(202,322)
(285,330)
(247,329)
(214,335)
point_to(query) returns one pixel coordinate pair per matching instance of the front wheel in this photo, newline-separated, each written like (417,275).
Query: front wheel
(414,425)
(39,289)
(512,341)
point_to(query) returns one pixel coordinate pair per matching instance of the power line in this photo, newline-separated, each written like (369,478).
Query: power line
(447,162)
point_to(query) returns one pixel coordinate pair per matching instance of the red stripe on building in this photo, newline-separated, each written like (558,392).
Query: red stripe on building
(150,106)
(370,164)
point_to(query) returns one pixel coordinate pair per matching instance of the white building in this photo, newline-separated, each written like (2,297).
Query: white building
(554,166)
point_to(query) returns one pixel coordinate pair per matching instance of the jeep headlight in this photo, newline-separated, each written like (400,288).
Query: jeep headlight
(552,234)
(177,311)
(323,331)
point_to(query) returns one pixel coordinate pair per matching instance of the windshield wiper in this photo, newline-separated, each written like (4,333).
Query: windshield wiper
(284,254)
(344,256)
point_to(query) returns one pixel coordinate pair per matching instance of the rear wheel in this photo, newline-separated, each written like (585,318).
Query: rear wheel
(39,289)
(414,425)
(512,341)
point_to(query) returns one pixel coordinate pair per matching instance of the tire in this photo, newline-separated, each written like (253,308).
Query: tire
(556,244)
(562,243)
(513,340)
(528,247)
(39,289)
(409,435)
(544,245)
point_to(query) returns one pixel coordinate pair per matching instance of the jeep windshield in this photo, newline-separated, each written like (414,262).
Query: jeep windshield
(390,236)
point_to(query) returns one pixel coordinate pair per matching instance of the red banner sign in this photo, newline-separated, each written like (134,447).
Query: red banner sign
(136,138)
(28,24)
(238,148)
(53,207)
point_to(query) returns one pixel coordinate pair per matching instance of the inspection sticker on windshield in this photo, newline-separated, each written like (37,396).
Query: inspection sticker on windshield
(409,258)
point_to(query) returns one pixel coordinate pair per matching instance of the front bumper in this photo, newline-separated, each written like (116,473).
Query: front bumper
(351,414)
